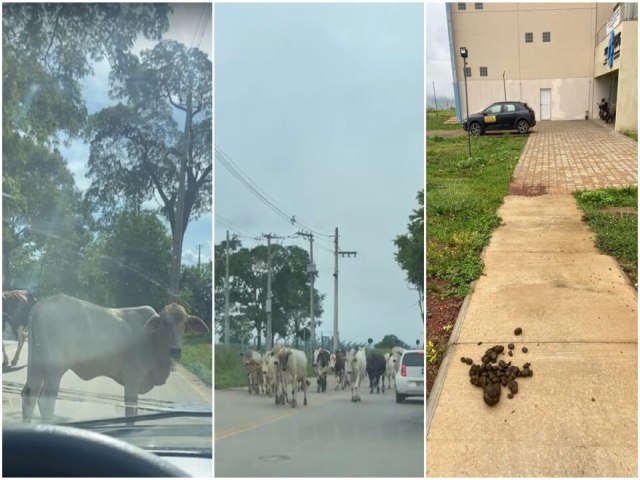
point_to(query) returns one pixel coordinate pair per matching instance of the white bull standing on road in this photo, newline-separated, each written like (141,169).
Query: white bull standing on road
(355,369)
(291,369)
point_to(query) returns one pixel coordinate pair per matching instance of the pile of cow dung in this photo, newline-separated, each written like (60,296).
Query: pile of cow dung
(491,377)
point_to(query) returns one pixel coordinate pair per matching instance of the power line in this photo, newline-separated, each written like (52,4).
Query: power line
(253,187)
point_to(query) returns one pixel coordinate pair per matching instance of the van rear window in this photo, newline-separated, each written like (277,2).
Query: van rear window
(413,359)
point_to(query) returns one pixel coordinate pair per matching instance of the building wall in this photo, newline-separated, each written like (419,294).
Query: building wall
(627,106)
(495,38)
(570,97)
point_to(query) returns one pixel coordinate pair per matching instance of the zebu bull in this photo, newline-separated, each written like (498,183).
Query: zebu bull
(133,346)
(291,369)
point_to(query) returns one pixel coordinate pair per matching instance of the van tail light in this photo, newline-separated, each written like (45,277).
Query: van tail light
(403,370)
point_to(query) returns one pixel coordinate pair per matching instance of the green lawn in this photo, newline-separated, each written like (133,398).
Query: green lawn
(196,356)
(631,135)
(435,121)
(463,195)
(229,368)
(616,228)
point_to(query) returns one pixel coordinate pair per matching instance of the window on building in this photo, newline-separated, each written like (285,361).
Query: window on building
(546,37)
(528,37)
(484,71)
(462,6)
(478,6)
(467,71)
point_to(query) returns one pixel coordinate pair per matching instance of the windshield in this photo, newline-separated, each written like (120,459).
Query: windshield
(106,184)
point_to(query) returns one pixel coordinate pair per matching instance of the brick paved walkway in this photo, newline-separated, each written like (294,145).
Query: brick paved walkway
(565,156)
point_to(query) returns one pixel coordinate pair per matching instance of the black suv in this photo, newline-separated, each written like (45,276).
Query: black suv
(501,116)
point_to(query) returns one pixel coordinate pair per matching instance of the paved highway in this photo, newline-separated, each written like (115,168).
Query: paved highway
(100,397)
(331,437)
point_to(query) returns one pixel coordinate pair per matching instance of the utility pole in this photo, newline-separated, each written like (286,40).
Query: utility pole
(227,339)
(311,269)
(269,339)
(337,251)
(434,96)
(199,251)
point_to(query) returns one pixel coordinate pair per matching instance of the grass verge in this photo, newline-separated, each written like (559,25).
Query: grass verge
(463,195)
(229,368)
(435,120)
(632,136)
(196,356)
(612,214)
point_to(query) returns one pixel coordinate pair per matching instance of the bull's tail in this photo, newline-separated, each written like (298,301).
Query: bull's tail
(35,374)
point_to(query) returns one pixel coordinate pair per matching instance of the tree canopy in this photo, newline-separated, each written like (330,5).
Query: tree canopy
(248,289)
(410,247)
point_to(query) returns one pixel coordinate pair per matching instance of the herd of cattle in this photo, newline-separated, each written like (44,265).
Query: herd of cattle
(134,346)
(282,371)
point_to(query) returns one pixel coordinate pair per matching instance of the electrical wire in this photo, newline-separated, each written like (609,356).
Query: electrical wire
(253,187)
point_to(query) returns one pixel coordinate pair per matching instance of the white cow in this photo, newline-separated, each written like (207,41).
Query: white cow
(355,367)
(292,368)
(269,373)
(391,369)
(133,346)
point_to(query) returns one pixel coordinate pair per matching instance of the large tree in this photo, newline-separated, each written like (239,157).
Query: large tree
(47,50)
(129,262)
(410,249)
(248,289)
(45,223)
(138,151)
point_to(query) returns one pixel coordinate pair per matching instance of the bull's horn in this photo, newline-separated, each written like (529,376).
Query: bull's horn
(153,324)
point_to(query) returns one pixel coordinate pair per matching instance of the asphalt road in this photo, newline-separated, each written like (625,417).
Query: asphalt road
(330,437)
(101,397)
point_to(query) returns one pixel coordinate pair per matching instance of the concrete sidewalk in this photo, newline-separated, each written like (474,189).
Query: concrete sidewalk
(577,416)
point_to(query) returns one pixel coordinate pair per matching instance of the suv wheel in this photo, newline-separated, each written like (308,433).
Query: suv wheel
(475,128)
(400,398)
(522,126)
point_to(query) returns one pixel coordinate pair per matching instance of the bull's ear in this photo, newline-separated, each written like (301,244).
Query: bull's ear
(196,325)
(154,324)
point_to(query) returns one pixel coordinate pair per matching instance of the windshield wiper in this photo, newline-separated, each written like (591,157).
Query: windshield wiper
(132,419)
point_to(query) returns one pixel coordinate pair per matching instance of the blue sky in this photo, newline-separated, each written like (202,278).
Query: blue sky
(182,25)
(322,106)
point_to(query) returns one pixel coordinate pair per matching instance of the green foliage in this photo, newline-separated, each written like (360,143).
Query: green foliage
(196,356)
(410,247)
(229,370)
(616,233)
(196,291)
(463,195)
(248,282)
(45,222)
(435,120)
(632,135)
(389,341)
(133,258)
(49,48)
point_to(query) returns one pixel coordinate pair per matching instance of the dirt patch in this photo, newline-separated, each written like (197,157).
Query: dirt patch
(622,211)
(446,133)
(527,190)
(442,312)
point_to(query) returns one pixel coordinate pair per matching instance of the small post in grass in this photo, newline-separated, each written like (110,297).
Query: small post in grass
(464,53)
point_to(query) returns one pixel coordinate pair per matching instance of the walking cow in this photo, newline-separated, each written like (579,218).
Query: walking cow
(355,368)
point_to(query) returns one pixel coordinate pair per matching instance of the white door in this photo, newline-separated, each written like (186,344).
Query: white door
(545,104)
